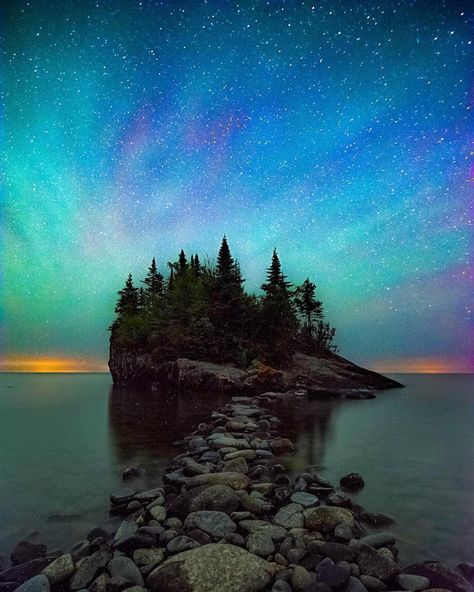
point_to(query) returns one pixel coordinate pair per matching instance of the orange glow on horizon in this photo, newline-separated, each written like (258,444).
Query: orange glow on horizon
(423,366)
(51,364)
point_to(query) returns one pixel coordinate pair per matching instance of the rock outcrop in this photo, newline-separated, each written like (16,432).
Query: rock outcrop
(325,376)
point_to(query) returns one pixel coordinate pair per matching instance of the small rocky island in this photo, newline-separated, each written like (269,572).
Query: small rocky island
(200,330)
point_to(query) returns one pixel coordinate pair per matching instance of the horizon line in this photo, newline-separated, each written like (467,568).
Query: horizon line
(58,364)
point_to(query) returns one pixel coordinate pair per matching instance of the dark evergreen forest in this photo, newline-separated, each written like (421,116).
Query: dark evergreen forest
(202,311)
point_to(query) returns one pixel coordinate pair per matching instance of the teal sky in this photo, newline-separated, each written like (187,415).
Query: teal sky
(338,132)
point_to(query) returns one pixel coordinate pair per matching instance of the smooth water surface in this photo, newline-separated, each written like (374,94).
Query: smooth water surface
(66,438)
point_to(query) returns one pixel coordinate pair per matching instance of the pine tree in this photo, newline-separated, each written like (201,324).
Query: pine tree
(182,263)
(228,304)
(127,304)
(153,282)
(278,317)
(307,305)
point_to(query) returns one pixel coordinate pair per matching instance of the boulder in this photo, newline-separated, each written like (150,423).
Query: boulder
(26,551)
(234,480)
(221,498)
(59,570)
(413,583)
(212,568)
(290,516)
(282,445)
(36,584)
(124,567)
(378,539)
(440,576)
(215,524)
(352,482)
(326,518)
(260,543)
(373,564)
(88,567)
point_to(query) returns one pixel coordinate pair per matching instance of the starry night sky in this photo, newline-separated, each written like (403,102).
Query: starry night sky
(337,131)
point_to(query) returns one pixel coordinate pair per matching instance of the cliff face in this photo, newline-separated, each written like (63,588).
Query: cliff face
(325,376)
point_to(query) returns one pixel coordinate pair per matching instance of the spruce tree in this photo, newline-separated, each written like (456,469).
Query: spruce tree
(309,308)
(154,290)
(182,263)
(227,306)
(278,318)
(127,304)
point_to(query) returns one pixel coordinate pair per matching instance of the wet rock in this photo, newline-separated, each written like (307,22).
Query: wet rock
(282,445)
(281,586)
(137,540)
(245,454)
(290,516)
(158,513)
(59,570)
(80,550)
(307,500)
(150,495)
(253,504)
(25,571)
(236,465)
(413,583)
(352,482)
(372,584)
(224,441)
(440,576)
(333,576)
(467,570)
(191,467)
(355,585)
(337,551)
(265,454)
(343,532)
(233,480)
(101,583)
(88,567)
(373,564)
(378,539)
(300,578)
(126,528)
(148,557)
(215,567)
(216,524)
(36,584)
(260,543)
(123,567)
(326,518)
(130,473)
(338,498)
(221,498)
(26,551)
(121,496)
(181,543)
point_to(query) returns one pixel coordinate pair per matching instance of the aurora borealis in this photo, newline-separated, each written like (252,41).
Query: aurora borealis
(338,131)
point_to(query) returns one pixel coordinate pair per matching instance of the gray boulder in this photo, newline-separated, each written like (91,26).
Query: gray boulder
(212,568)
(216,524)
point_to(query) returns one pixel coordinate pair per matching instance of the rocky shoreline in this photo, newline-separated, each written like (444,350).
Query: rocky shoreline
(228,518)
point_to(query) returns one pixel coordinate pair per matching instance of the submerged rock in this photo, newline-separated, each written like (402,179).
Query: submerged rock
(440,576)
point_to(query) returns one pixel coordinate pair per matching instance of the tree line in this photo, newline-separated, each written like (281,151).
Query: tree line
(202,311)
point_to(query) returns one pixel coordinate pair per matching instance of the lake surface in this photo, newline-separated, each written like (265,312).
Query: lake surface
(66,438)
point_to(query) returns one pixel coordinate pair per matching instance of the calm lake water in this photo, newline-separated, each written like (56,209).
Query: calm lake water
(66,438)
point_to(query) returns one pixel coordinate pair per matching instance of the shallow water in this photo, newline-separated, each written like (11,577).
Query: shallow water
(66,438)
